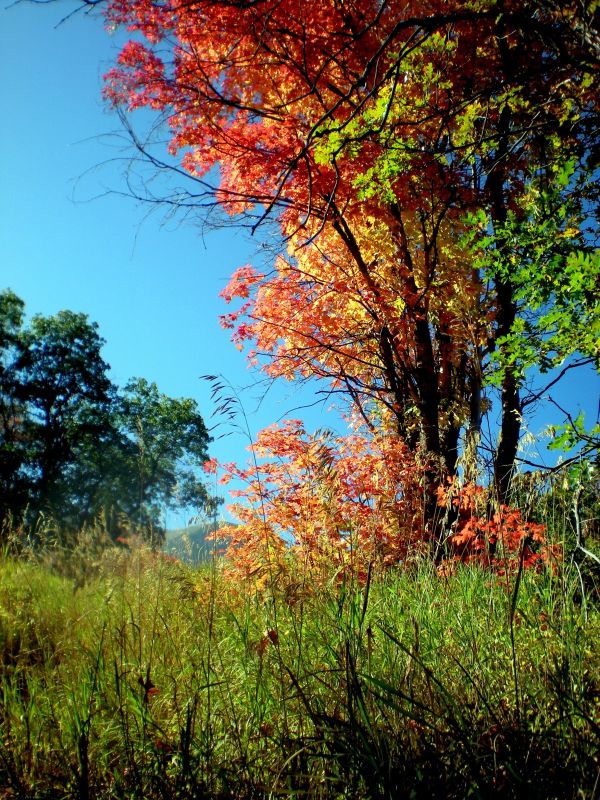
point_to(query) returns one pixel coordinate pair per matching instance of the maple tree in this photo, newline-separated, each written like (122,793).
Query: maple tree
(321,506)
(430,166)
(340,503)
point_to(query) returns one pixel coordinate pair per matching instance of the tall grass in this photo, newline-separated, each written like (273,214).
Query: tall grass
(145,678)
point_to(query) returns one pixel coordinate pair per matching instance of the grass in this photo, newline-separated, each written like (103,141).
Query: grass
(151,679)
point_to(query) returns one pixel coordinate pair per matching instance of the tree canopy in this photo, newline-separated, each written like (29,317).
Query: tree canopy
(432,168)
(73,446)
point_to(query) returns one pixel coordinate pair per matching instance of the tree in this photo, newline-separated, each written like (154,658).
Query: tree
(55,395)
(11,408)
(73,446)
(165,443)
(398,143)
(67,396)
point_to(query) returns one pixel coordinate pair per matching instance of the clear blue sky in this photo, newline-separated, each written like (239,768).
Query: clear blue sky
(151,285)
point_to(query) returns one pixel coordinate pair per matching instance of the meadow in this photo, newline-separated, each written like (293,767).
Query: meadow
(402,612)
(126,673)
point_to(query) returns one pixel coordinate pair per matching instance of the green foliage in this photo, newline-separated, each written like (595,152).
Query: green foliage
(66,392)
(170,441)
(12,490)
(573,434)
(543,250)
(72,446)
(11,319)
(55,396)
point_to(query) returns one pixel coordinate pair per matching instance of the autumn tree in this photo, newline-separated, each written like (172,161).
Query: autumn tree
(423,161)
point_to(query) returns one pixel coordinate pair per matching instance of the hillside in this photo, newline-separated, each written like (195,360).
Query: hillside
(190,544)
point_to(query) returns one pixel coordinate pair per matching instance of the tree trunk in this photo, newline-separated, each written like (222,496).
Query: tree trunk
(510,430)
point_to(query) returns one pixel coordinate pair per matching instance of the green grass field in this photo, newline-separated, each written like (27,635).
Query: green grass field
(130,675)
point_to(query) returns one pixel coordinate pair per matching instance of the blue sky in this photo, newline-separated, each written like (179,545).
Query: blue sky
(151,284)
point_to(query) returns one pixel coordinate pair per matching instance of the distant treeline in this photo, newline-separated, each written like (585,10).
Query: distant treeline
(73,446)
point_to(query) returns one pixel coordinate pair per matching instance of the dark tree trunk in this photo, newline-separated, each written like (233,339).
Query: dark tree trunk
(506,308)
(510,430)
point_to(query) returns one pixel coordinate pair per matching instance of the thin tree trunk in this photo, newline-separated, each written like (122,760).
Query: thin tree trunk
(510,430)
